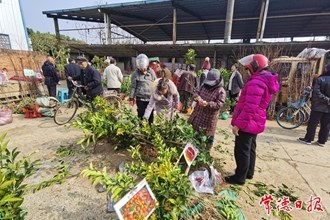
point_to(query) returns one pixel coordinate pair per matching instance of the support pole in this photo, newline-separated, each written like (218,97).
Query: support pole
(174,36)
(107,28)
(215,58)
(264,21)
(262,11)
(57,29)
(229,20)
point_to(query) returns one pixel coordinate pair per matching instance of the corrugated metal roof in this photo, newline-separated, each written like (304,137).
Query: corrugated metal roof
(151,20)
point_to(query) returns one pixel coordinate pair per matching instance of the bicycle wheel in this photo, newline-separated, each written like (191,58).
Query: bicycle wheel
(290,118)
(114,100)
(65,112)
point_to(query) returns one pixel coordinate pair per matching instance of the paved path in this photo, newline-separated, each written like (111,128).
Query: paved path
(282,159)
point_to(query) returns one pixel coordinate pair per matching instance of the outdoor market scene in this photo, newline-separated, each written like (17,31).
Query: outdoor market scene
(165,109)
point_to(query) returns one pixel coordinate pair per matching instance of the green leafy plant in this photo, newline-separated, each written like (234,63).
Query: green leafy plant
(13,172)
(190,56)
(170,186)
(58,178)
(225,74)
(63,151)
(99,63)
(126,85)
(25,103)
(262,189)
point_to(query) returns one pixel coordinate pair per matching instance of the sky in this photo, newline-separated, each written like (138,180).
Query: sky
(32,11)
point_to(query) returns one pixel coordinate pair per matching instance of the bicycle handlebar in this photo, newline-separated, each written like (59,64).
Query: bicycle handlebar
(76,84)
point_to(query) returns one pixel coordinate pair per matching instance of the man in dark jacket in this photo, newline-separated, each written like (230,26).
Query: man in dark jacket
(320,110)
(50,73)
(72,70)
(90,78)
(187,86)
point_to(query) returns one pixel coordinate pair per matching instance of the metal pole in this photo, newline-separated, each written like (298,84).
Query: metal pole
(107,26)
(174,36)
(229,20)
(57,29)
(215,59)
(262,11)
(264,20)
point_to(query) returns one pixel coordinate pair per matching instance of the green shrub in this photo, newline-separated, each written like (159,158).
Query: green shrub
(13,172)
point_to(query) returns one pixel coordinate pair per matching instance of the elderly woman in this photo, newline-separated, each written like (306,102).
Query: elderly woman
(165,99)
(210,99)
(141,81)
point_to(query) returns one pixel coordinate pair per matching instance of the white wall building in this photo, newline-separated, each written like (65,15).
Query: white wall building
(13,33)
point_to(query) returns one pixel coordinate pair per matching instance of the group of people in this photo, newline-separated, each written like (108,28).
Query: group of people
(163,96)
(80,70)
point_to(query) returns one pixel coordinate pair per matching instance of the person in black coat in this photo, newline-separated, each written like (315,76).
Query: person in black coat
(51,77)
(320,110)
(74,71)
(90,78)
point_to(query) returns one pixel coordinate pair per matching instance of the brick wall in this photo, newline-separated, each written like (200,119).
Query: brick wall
(15,61)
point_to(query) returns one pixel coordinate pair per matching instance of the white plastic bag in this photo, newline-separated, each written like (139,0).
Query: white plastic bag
(216,177)
(201,181)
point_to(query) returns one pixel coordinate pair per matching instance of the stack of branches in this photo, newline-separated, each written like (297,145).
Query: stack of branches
(270,51)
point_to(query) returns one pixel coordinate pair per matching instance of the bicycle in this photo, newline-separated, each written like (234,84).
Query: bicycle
(68,109)
(295,114)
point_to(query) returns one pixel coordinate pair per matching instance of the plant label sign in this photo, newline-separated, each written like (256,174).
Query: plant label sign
(28,72)
(190,153)
(139,203)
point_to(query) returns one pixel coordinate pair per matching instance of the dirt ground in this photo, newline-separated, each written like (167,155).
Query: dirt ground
(280,159)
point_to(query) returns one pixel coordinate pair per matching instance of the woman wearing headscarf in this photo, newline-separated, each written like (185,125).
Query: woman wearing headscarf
(141,88)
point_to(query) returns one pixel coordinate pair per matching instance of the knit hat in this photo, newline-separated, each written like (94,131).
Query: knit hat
(213,77)
(206,64)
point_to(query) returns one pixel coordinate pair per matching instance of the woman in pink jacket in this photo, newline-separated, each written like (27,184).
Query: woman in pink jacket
(249,118)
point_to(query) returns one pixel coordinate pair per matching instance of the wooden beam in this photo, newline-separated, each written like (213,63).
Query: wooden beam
(186,10)
(262,11)
(57,29)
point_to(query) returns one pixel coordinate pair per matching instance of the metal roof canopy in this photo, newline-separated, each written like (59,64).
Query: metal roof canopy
(152,20)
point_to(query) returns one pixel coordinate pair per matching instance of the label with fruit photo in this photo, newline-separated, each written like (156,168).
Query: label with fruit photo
(139,203)
(190,153)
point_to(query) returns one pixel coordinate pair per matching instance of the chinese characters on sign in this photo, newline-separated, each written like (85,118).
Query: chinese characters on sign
(283,204)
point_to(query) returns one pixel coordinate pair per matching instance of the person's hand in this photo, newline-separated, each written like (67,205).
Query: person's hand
(198,99)
(235,130)
(69,78)
(86,87)
(204,103)
(131,102)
